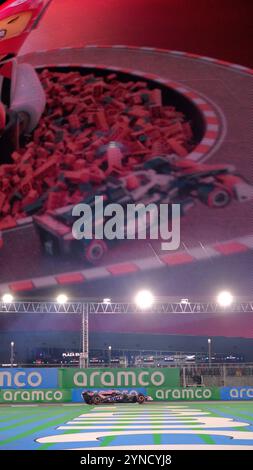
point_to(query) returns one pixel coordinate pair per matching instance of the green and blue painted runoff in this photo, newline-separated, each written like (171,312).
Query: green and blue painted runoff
(158,425)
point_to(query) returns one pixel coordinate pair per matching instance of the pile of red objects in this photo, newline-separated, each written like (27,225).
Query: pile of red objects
(92,127)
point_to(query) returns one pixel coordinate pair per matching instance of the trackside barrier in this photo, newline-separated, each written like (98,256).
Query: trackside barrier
(114,378)
(44,385)
(158,394)
(188,393)
(28,378)
(35,396)
(236,393)
(201,393)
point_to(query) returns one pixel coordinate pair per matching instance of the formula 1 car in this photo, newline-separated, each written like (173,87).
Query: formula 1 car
(114,396)
(55,226)
(158,180)
(22,96)
(214,185)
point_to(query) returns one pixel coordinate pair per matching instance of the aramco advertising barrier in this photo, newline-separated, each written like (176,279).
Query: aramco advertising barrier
(66,385)
(29,378)
(35,396)
(187,393)
(87,378)
(158,394)
(114,378)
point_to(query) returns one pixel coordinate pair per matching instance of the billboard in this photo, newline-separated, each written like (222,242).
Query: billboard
(236,393)
(37,396)
(181,394)
(111,378)
(28,378)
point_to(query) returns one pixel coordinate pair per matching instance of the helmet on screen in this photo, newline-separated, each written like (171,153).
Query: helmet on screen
(17,19)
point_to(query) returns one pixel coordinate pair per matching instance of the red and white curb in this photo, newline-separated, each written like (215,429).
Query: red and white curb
(189,55)
(202,253)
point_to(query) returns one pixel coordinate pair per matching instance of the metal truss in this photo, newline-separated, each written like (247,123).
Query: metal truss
(84,309)
(121,307)
(169,307)
(41,307)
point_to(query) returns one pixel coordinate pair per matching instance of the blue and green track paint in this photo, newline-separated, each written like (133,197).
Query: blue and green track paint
(128,426)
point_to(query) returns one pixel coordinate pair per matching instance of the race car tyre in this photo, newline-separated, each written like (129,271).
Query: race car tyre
(86,398)
(141,399)
(134,399)
(214,196)
(96,400)
(95,251)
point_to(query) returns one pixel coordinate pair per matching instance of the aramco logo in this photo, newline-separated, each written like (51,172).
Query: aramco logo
(119,378)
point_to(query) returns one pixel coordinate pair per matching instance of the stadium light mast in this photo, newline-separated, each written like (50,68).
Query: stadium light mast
(110,355)
(209,351)
(84,355)
(12,353)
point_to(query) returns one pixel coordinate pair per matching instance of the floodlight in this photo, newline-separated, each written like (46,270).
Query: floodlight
(7,298)
(61,299)
(225,299)
(144,299)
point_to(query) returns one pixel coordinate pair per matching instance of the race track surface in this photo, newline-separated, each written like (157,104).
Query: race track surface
(216,425)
